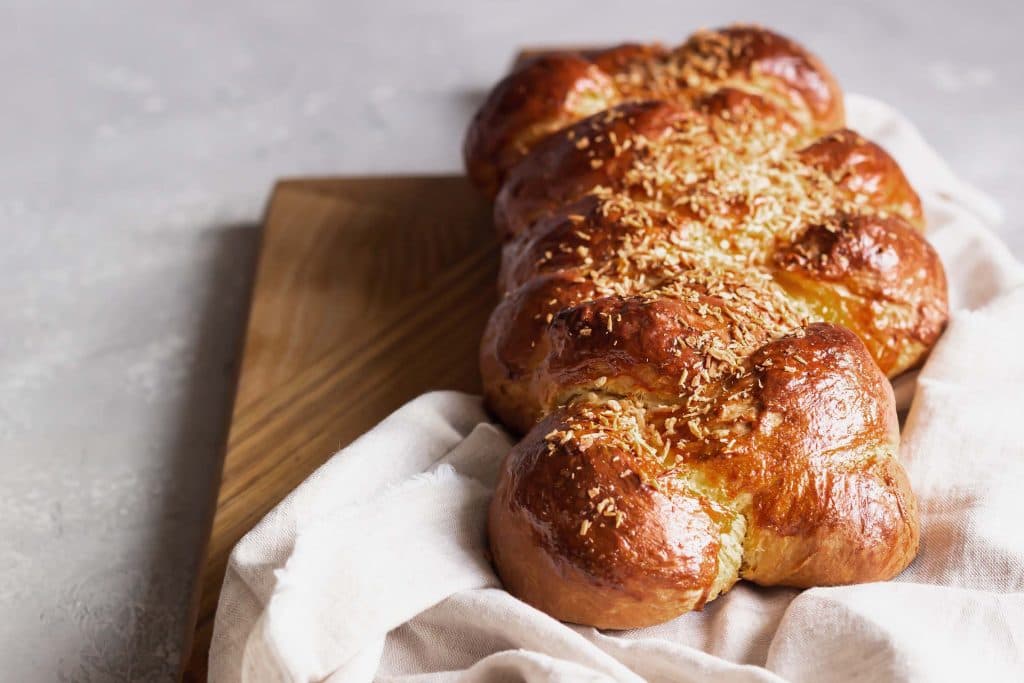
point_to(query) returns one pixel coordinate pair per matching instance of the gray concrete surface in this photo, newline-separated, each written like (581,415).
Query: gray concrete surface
(137,145)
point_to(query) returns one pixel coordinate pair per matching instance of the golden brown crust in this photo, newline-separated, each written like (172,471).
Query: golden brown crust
(541,96)
(705,284)
(622,514)
(866,172)
(876,275)
(563,167)
(552,91)
(833,504)
(651,557)
(776,66)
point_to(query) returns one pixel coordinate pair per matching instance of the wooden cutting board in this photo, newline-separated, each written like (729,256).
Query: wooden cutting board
(368,292)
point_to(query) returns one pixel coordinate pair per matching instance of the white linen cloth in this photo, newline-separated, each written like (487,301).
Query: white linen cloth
(375,567)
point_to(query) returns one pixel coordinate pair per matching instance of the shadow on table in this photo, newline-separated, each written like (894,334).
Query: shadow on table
(196,455)
(139,612)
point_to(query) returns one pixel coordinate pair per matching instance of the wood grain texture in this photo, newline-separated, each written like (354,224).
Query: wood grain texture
(369,292)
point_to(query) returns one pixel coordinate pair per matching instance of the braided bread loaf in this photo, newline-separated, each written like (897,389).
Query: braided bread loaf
(706,281)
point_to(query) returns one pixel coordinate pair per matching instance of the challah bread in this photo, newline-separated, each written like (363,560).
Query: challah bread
(706,280)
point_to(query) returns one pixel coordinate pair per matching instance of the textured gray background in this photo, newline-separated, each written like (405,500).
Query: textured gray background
(138,141)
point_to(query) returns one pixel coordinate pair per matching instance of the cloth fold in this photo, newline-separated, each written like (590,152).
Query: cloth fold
(376,567)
